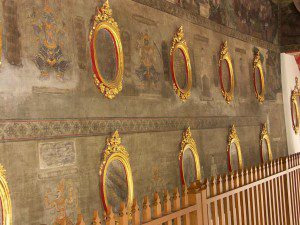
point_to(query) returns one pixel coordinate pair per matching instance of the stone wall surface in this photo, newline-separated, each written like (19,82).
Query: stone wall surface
(54,122)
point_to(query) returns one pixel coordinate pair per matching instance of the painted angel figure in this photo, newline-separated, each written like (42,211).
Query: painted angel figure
(50,56)
(60,200)
(146,71)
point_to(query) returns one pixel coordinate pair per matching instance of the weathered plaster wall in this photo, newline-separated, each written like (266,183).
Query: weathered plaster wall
(68,111)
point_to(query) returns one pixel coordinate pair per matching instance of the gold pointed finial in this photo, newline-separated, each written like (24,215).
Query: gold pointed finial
(178,38)
(233,134)
(224,48)
(264,129)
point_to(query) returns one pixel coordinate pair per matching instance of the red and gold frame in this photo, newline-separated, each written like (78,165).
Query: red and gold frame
(180,44)
(115,151)
(258,66)
(264,136)
(294,104)
(104,20)
(234,139)
(188,143)
(5,199)
(224,55)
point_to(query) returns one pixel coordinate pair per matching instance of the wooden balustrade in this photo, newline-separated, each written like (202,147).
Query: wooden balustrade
(268,194)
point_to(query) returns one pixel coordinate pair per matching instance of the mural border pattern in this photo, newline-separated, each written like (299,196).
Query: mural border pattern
(23,130)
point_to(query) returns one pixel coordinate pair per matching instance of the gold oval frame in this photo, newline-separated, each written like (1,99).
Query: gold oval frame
(295,94)
(264,135)
(224,55)
(257,65)
(104,20)
(180,44)
(115,151)
(188,142)
(5,199)
(234,139)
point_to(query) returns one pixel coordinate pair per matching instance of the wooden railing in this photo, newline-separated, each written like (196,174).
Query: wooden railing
(268,194)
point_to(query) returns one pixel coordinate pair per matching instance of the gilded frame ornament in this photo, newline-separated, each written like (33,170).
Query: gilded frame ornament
(258,66)
(234,139)
(115,151)
(104,20)
(294,103)
(224,55)
(264,136)
(188,142)
(5,199)
(180,44)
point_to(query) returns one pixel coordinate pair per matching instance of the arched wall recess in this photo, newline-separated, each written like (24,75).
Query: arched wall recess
(264,136)
(5,201)
(188,144)
(258,66)
(234,139)
(111,84)
(295,106)
(115,152)
(225,56)
(179,45)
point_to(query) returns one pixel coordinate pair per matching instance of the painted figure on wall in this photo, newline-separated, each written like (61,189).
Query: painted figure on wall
(146,71)
(60,201)
(50,56)
(256,17)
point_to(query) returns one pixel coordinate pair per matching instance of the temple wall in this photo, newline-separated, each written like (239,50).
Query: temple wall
(53,127)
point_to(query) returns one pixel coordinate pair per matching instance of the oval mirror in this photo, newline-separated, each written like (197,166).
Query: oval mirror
(295,111)
(264,149)
(181,66)
(258,78)
(226,74)
(189,167)
(234,151)
(106,52)
(234,160)
(106,55)
(116,183)
(180,69)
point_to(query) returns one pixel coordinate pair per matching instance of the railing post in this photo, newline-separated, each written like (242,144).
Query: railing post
(198,197)
(288,193)
(135,213)
(96,219)
(80,220)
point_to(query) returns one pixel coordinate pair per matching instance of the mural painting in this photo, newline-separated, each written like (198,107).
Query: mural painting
(49,30)
(244,16)
(146,72)
(273,78)
(290,24)
(61,203)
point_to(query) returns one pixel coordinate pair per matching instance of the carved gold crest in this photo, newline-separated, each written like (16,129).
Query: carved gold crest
(258,66)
